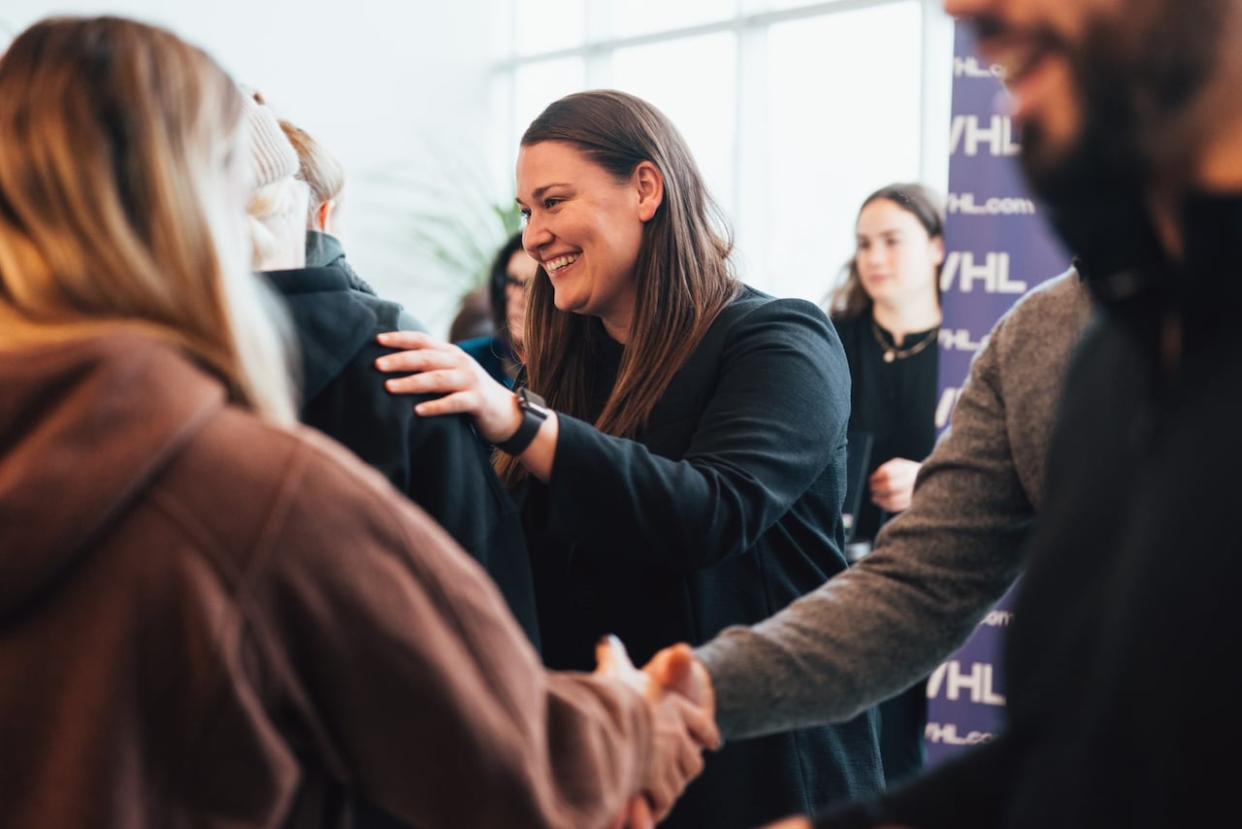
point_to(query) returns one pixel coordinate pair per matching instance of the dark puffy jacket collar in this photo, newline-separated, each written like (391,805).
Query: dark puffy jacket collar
(332,320)
(323,250)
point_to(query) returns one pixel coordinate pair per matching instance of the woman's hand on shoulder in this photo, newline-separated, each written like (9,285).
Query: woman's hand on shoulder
(433,366)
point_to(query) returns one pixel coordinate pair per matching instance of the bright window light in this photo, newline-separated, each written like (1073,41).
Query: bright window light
(692,81)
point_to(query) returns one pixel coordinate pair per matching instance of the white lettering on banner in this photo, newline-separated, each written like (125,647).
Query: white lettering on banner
(958,340)
(999,619)
(946,734)
(970,67)
(998,136)
(978,682)
(966,205)
(993,273)
(944,409)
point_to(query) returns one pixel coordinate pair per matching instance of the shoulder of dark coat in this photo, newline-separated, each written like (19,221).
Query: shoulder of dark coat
(756,314)
(389,315)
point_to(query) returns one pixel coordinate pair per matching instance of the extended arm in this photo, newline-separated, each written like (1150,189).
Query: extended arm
(880,626)
(401,662)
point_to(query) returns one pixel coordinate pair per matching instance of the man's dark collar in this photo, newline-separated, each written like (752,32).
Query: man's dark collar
(308,280)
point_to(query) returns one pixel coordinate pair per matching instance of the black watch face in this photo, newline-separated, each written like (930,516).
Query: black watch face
(532,401)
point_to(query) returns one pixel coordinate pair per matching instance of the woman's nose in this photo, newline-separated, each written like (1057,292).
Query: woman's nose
(535,236)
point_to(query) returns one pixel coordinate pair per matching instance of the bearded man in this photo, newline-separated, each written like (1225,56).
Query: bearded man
(1123,710)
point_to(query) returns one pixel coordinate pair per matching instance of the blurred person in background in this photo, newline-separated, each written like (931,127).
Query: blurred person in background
(473,319)
(440,464)
(218,617)
(510,276)
(687,469)
(1121,700)
(887,313)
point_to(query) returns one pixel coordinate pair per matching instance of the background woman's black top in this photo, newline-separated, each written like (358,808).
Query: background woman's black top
(725,509)
(896,403)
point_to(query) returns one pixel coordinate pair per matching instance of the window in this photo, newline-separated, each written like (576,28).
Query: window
(549,25)
(638,17)
(842,94)
(538,84)
(701,102)
(794,110)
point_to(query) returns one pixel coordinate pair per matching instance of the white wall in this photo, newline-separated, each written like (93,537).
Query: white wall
(397,90)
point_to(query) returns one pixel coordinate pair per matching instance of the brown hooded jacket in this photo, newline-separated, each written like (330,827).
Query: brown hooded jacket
(209,621)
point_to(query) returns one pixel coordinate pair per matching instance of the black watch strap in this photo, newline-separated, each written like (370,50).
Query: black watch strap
(534,413)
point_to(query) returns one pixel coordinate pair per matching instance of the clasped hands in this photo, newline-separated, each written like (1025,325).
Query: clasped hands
(679,693)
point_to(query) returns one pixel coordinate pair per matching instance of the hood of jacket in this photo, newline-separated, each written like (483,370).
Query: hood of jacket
(333,322)
(85,427)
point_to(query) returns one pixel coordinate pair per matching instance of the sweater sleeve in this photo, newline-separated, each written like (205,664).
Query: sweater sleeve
(410,679)
(888,621)
(776,415)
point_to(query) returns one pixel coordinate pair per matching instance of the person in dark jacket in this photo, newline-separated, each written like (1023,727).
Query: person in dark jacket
(1123,705)
(440,464)
(687,470)
(511,273)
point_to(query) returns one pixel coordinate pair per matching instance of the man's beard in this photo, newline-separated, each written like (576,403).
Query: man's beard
(1134,93)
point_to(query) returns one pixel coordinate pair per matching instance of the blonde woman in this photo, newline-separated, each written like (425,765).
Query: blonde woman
(207,616)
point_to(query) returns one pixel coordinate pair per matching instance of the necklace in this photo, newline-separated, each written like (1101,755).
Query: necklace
(892,353)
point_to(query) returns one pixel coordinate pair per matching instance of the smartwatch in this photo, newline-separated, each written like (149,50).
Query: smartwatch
(534,413)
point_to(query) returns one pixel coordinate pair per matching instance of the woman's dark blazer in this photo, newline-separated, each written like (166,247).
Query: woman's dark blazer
(725,509)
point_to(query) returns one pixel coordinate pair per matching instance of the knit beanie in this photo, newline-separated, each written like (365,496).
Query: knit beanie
(272,157)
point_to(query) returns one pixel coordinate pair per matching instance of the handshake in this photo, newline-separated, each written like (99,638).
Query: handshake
(679,694)
(682,700)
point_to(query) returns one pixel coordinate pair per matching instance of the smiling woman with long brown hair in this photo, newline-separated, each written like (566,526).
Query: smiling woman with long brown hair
(681,437)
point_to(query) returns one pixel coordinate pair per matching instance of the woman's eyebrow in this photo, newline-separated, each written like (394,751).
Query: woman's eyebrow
(541,190)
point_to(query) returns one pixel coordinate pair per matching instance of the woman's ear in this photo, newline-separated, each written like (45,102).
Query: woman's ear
(649,182)
(323,216)
(937,250)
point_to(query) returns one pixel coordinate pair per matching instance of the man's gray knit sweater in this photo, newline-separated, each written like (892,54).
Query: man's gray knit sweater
(936,569)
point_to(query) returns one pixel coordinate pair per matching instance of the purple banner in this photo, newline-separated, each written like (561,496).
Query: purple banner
(998,248)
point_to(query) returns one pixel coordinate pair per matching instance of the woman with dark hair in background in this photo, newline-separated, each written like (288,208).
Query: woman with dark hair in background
(511,273)
(687,469)
(887,313)
(209,616)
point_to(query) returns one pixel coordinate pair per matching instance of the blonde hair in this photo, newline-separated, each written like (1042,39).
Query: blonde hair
(277,213)
(121,185)
(317,167)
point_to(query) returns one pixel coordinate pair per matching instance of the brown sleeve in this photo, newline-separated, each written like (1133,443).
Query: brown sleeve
(413,682)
